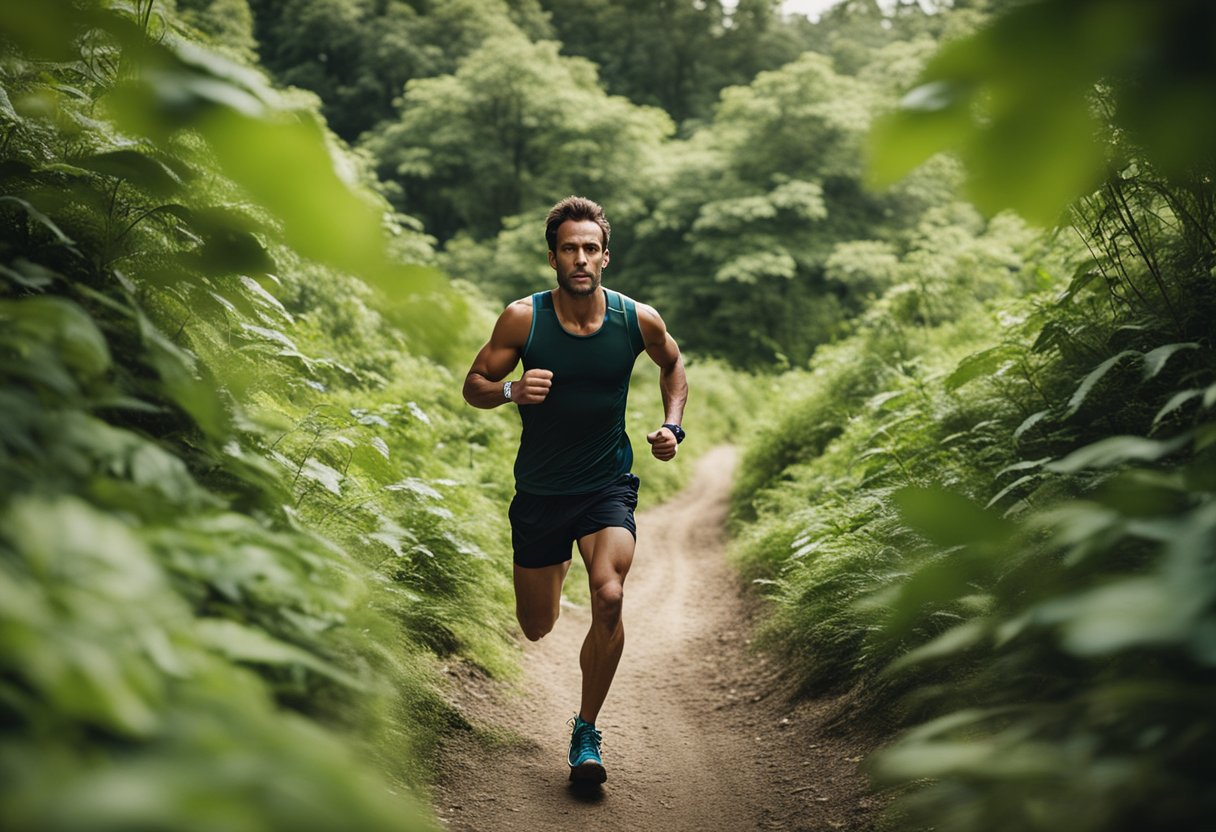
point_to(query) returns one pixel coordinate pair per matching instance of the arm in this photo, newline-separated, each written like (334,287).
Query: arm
(673,384)
(483,385)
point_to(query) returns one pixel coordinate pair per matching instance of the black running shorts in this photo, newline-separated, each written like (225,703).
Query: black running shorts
(544,527)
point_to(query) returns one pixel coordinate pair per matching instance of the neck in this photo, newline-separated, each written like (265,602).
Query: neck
(581,309)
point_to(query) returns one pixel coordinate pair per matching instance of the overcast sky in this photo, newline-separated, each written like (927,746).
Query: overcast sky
(810,8)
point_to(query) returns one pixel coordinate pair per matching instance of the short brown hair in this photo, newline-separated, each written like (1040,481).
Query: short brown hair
(575,208)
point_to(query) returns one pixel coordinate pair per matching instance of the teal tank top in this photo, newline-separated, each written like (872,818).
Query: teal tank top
(574,442)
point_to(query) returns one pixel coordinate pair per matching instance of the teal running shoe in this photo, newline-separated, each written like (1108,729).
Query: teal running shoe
(585,763)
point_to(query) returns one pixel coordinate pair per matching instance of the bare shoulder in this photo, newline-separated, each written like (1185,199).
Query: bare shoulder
(650,322)
(514,322)
(521,308)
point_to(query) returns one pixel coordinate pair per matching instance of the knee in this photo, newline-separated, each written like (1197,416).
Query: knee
(536,628)
(607,601)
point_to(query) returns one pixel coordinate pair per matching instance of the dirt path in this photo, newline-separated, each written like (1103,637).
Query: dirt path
(700,733)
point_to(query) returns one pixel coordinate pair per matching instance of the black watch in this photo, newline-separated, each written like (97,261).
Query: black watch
(677,430)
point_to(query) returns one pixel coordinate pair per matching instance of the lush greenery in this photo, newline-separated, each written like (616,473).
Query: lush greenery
(246,517)
(990,509)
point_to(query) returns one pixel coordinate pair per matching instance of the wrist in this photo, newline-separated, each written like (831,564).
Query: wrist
(506,390)
(676,431)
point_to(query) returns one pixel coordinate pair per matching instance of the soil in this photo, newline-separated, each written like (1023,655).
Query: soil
(701,732)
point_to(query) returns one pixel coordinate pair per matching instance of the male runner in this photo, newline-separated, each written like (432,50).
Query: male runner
(578,343)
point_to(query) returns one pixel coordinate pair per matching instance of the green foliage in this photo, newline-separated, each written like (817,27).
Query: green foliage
(357,55)
(514,125)
(758,241)
(676,55)
(1031,130)
(226,24)
(997,516)
(241,509)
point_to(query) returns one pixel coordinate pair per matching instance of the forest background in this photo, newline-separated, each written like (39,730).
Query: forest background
(948,267)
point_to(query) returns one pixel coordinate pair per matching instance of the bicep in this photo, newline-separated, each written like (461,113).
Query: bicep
(502,352)
(659,344)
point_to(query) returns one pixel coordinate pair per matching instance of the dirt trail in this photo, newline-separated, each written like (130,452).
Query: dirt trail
(700,733)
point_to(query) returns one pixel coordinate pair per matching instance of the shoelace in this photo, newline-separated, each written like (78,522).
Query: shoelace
(587,739)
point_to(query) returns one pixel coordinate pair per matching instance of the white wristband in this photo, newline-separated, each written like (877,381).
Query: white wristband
(506,391)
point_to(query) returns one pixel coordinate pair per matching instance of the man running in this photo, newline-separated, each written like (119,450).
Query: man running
(578,343)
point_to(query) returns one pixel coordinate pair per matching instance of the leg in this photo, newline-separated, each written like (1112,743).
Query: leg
(608,554)
(538,596)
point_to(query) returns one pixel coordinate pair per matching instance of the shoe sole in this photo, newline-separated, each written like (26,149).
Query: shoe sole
(589,772)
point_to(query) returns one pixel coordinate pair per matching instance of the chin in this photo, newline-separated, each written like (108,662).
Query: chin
(577,291)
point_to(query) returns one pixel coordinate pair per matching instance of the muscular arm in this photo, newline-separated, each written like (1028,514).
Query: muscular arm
(484,381)
(673,383)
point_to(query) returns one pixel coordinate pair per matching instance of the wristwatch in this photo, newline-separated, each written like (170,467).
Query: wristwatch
(506,390)
(677,431)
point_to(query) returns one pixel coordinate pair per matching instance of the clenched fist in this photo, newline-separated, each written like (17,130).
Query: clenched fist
(533,387)
(662,444)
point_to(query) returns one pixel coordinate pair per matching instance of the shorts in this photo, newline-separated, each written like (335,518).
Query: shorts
(543,527)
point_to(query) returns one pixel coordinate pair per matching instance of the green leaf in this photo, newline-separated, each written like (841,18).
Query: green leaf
(232,251)
(63,325)
(43,220)
(950,519)
(1087,384)
(1019,482)
(30,275)
(6,108)
(248,644)
(982,363)
(1126,614)
(1117,450)
(1029,422)
(1176,402)
(1085,274)
(955,640)
(178,371)
(136,168)
(1155,360)
(1024,465)
(329,477)
(932,117)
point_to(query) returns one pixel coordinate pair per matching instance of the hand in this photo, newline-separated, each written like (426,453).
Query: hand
(533,388)
(662,444)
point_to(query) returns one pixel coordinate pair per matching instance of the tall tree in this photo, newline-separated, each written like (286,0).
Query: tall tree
(358,54)
(514,125)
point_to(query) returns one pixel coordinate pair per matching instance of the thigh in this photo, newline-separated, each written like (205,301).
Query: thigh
(608,554)
(538,591)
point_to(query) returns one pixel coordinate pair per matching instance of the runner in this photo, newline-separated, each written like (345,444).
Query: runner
(578,343)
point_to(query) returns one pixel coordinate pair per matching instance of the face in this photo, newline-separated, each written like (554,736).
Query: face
(580,257)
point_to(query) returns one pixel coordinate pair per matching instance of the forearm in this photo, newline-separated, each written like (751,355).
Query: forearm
(673,386)
(483,392)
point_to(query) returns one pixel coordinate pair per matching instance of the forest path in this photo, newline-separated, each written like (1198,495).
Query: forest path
(700,732)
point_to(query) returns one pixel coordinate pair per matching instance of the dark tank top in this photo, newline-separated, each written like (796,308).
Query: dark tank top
(574,441)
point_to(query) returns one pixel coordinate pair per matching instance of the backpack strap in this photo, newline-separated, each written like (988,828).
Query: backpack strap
(632,326)
(540,301)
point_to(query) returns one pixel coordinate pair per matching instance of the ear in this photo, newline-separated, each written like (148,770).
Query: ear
(552,260)
(604,264)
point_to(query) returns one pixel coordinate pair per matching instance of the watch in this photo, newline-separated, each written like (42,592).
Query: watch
(506,390)
(677,431)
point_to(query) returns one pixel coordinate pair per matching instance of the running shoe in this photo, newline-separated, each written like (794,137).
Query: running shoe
(585,763)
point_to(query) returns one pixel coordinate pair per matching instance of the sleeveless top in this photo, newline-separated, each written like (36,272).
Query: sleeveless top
(574,441)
